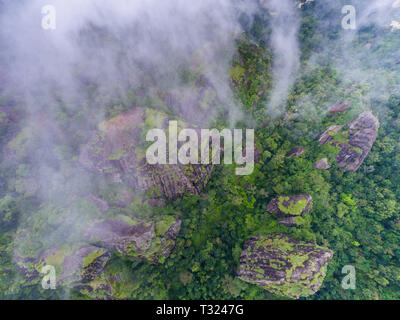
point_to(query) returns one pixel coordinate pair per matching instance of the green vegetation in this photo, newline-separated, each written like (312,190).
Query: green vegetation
(354,214)
(291,207)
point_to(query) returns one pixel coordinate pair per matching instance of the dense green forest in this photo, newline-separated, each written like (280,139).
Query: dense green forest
(354,214)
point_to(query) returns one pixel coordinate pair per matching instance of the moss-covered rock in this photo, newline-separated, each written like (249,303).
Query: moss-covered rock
(74,264)
(134,239)
(284,266)
(286,206)
(295,151)
(353,141)
(118,150)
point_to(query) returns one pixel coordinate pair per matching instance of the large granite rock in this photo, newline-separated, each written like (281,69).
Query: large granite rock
(79,266)
(284,266)
(288,208)
(80,250)
(293,205)
(339,108)
(117,150)
(8,121)
(329,133)
(354,140)
(137,240)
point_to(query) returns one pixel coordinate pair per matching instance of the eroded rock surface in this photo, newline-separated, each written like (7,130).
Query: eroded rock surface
(136,240)
(73,264)
(354,140)
(340,107)
(81,254)
(117,150)
(288,208)
(284,266)
(8,121)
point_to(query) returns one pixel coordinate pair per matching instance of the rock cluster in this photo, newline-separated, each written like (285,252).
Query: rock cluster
(81,260)
(117,150)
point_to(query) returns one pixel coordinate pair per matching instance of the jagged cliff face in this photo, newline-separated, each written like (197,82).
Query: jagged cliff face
(79,236)
(284,266)
(117,150)
(81,256)
(354,140)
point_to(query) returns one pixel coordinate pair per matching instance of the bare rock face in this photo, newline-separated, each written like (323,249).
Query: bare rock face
(296,151)
(322,164)
(329,134)
(117,151)
(354,141)
(8,121)
(286,206)
(284,266)
(136,240)
(99,203)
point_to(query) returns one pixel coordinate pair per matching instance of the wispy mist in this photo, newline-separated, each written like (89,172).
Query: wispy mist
(285,23)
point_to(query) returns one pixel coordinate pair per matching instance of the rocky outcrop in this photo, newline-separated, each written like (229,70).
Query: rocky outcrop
(354,140)
(73,264)
(137,240)
(117,150)
(296,151)
(290,205)
(284,266)
(8,121)
(80,256)
(322,164)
